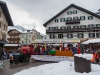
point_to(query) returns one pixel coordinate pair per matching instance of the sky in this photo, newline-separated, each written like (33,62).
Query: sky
(30,13)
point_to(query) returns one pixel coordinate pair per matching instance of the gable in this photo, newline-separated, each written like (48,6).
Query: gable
(6,13)
(70,6)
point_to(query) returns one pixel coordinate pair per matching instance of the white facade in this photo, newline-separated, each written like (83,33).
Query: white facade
(26,38)
(59,24)
(3,25)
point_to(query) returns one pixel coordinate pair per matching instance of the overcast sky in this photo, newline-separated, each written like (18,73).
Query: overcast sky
(29,13)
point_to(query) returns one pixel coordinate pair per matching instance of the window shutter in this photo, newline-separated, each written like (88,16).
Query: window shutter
(97,35)
(61,20)
(89,35)
(50,36)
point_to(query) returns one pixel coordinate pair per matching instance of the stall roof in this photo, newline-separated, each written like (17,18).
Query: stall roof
(92,41)
(12,45)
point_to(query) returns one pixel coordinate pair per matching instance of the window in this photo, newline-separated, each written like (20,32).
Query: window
(63,27)
(22,36)
(29,41)
(69,35)
(62,20)
(29,36)
(69,12)
(56,20)
(68,27)
(80,35)
(97,25)
(26,41)
(26,36)
(74,12)
(60,36)
(91,25)
(75,18)
(52,36)
(75,26)
(83,26)
(90,17)
(97,35)
(55,27)
(50,27)
(69,18)
(91,35)
(82,18)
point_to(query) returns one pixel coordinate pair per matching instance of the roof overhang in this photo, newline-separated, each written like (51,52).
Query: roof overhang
(6,13)
(11,45)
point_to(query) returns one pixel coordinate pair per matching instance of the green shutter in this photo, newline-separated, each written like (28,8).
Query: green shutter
(61,20)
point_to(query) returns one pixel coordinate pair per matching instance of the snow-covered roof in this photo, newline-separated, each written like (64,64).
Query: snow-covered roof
(12,27)
(92,41)
(12,45)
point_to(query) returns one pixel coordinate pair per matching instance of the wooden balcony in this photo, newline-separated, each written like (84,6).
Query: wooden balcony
(14,34)
(75,21)
(13,39)
(73,30)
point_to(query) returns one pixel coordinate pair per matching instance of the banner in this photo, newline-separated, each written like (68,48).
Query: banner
(52,58)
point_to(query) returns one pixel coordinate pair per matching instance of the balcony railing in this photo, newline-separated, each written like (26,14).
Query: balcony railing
(75,21)
(73,30)
(13,39)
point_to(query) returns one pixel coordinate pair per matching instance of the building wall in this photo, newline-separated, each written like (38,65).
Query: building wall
(25,38)
(3,25)
(79,13)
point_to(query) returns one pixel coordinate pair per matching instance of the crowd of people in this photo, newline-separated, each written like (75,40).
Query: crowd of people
(44,50)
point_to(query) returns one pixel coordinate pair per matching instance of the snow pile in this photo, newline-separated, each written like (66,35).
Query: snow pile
(87,56)
(61,68)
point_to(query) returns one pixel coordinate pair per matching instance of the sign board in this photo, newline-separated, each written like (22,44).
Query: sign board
(56,41)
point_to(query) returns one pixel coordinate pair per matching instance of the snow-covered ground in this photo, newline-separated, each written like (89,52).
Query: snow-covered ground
(61,68)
